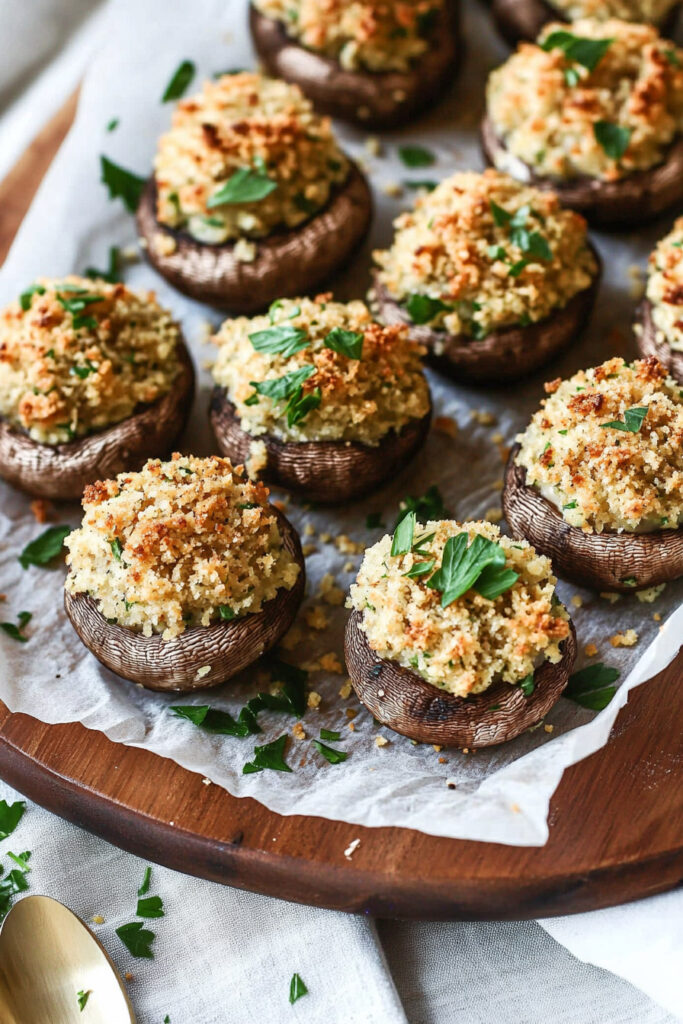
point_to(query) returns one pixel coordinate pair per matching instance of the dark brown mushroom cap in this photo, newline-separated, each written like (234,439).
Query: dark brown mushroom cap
(403,700)
(326,472)
(648,344)
(601,561)
(225,648)
(629,201)
(60,472)
(372,99)
(291,261)
(502,355)
(519,20)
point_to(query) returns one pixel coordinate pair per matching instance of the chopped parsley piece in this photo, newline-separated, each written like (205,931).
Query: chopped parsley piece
(82,372)
(496,252)
(586,52)
(113,124)
(526,685)
(420,569)
(44,548)
(402,540)
(427,507)
(424,183)
(82,998)
(328,734)
(269,756)
(591,687)
(463,565)
(614,138)
(137,939)
(146,879)
(672,57)
(10,816)
(116,548)
(122,184)
(150,906)
(329,753)
(277,304)
(423,308)
(300,404)
(348,343)
(283,340)
(14,882)
(416,156)
(111,274)
(373,521)
(179,82)
(246,185)
(630,581)
(26,297)
(16,631)
(569,505)
(281,387)
(297,989)
(632,422)
(226,613)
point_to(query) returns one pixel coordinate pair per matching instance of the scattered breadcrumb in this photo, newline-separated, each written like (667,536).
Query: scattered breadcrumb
(437,747)
(349,566)
(515,808)
(298,731)
(548,728)
(650,594)
(308,549)
(309,530)
(206,782)
(657,617)
(351,848)
(316,618)
(393,189)
(313,699)
(331,663)
(482,416)
(381,741)
(128,976)
(97,919)
(41,510)
(346,690)
(352,726)
(498,437)
(590,650)
(329,591)
(292,637)
(347,546)
(611,597)
(373,147)
(577,601)
(443,760)
(627,639)
(445,425)
(325,538)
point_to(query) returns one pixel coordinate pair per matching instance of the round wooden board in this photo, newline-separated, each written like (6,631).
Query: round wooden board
(616,818)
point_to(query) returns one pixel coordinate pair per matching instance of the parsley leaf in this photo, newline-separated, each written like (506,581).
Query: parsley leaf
(212,720)
(113,124)
(122,184)
(329,753)
(144,888)
(283,340)
(246,185)
(423,308)
(112,272)
(10,816)
(348,343)
(328,734)
(283,387)
(416,156)
(420,569)
(26,297)
(632,422)
(297,989)
(44,548)
(527,685)
(591,686)
(494,581)
(425,183)
(83,999)
(137,939)
(116,548)
(462,565)
(150,906)
(402,540)
(427,507)
(587,52)
(300,404)
(179,82)
(614,138)
(271,756)
(16,631)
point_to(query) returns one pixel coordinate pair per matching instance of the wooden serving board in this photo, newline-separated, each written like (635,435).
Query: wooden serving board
(616,818)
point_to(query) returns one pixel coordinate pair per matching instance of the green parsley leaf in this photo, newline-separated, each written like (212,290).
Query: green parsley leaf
(527,685)
(672,57)
(496,252)
(244,186)
(420,569)
(179,82)
(297,989)
(328,734)
(226,613)
(591,686)
(16,631)
(329,753)
(416,156)
(83,999)
(113,124)
(212,720)
(283,340)
(373,521)
(284,387)
(300,404)
(26,297)
(501,217)
(632,422)
(146,879)
(462,565)
(112,272)
(10,816)
(21,860)
(137,939)
(278,304)
(150,906)
(122,184)
(494,581)
(425,183)
(614,138)
(348,343)
(423,308)
(517,268)
(537,246)
(569,505)
(116,548)
(428,507)
(402,540)
(587,52)
(269,756)
(84,371)
(44,548)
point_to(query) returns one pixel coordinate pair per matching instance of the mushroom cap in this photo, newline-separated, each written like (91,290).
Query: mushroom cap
(519,20)
(225,648)
(648,344)
(61,472)
(629,201)
(505,354)
(407,703)
(372,99)
(291,261)
(601,561)
(326,472)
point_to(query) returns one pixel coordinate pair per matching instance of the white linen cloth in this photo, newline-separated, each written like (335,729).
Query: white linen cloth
(442,971)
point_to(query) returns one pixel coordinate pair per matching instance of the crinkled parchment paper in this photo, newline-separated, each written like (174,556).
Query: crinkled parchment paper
(500,794)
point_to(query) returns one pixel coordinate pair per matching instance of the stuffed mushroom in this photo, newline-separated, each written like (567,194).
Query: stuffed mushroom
(370,62)
(456,636)
(524,19)
(659,330)
(251,196)
(94,379)
(182,574)
(596,480)
(594,112)
(319,398)
(493,277)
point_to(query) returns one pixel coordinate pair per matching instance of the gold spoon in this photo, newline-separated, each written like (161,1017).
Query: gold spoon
(48,957)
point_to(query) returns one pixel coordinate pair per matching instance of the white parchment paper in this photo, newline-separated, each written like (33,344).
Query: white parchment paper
(500,794)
